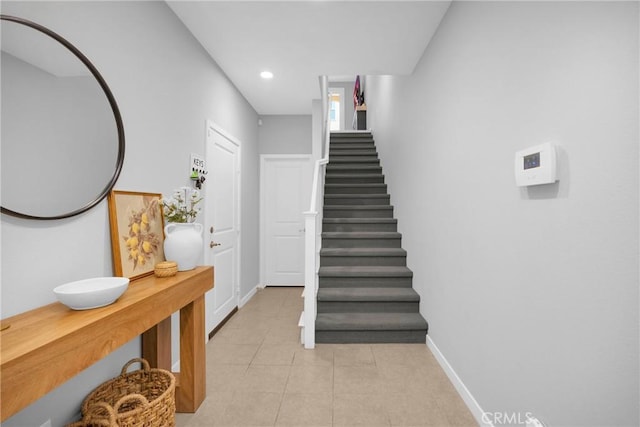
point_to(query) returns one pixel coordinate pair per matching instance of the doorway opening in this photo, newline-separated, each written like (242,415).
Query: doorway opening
(336,108)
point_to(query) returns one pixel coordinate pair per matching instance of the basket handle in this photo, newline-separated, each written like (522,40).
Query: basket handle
(145,365)
(140,398)
(96,414)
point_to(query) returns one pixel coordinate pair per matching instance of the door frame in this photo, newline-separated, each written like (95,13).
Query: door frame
(212,126)
(264,158)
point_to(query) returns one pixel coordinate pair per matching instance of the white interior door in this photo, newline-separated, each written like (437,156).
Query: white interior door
(286,186)
(222,224)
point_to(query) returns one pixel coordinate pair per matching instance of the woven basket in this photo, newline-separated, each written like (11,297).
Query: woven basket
(166,269)
(143,398)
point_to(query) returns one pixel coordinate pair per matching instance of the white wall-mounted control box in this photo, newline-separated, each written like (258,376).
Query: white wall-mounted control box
(536,165)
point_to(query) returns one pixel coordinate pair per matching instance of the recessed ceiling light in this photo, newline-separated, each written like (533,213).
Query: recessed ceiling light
(266,75)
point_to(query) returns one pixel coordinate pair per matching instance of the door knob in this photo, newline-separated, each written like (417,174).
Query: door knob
(213,244)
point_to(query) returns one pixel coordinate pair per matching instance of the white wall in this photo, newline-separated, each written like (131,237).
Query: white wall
(531,295)
(285,134)
(166,87)
(316,129)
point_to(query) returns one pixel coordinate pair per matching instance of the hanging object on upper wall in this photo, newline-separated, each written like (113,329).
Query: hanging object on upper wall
(197,170)
(356,93)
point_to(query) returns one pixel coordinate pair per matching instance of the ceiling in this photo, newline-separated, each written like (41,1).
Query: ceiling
(301,40)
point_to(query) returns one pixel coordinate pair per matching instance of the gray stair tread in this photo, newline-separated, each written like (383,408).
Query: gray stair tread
(345,143)
(370,321)
(369,151)
(354,179)
(361,235)
(360,220)
(351,138)
(365,271)
(346,174)
(353,168)
(342,166)
(356,207)
(357,185)
(368,294)
(352,144)
(356,196)
(363,252)
(369,148)
(340,157)
(353,163)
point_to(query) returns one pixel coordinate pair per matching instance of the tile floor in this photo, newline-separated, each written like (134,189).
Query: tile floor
(259,375)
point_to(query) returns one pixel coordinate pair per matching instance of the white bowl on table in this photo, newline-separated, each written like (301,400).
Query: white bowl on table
(91,293)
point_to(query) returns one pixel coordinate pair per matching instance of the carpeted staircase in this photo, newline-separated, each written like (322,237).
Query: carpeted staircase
(365,293)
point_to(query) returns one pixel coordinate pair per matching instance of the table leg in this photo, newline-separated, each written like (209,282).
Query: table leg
(191,389)
(156,345)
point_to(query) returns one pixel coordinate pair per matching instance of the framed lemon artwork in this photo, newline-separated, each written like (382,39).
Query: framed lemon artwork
(137,232)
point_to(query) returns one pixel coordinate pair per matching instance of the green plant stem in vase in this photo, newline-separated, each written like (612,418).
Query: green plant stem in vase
(182,207)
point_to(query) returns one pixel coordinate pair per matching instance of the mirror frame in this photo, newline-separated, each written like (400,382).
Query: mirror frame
(114,107)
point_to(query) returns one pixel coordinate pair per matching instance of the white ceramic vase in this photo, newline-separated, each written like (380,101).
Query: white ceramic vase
(183,244)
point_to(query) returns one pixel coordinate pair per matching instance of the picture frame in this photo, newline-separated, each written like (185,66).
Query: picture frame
(136,223)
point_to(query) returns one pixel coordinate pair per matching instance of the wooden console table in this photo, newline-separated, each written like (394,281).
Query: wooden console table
(45,347)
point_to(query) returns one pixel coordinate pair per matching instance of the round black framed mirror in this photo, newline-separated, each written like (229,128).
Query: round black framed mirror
(62,141)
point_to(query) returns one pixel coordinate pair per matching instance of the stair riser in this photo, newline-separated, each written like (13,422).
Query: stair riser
(359,160)
(353,159)
(353,169)
(383,199)
(354,179)
(357,213)
(351,136)
(355,144)
(337,142)
(365,282)
(370,337)
(360,150)
(377,189)
(360,243)
(344,151)
(338,261)
(328,227)
(353,150)
(367,307)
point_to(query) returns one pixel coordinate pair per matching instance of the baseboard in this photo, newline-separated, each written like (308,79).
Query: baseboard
(464,392)
(221,324)
(245,299)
